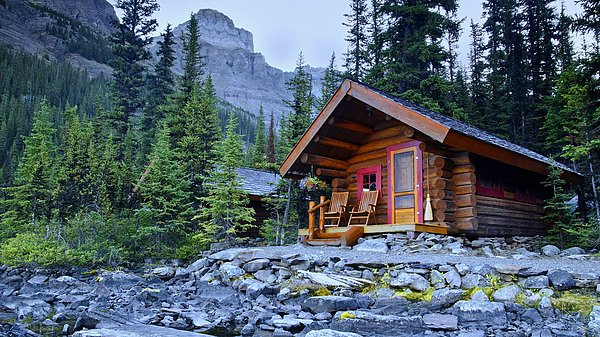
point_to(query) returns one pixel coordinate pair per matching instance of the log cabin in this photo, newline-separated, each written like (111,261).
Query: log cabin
(479,184)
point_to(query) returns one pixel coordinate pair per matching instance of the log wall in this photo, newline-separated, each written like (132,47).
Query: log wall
(464,189)
(503,217)
(437,172)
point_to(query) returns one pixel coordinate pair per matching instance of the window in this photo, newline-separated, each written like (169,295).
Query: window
(368,179)
(489,180)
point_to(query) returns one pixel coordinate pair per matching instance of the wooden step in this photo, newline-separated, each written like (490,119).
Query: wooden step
(324,242)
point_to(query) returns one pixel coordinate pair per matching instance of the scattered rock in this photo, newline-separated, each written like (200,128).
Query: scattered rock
(331,333)
(536,282)
(413,281)
(472,313)
(550,250)
(560,279)
(506,294)
(318,304)
(375,246)
(441,322)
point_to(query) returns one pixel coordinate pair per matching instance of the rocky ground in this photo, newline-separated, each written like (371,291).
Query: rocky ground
(425,286)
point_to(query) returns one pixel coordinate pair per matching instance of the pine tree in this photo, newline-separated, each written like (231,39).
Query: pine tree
(193,63)
(165,207)
(129,42)
(226,214)
(331,81)
(30,201)
(258,152)
(356,57)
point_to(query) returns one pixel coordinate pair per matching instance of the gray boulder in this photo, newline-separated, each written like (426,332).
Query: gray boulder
(318,304)
(331,333)
(561,280)
(256,265)
(472,313)
(375,246)
(594,324)
(452,277)
(413,281)
(573,251)
(536,282)
(506,294)
(369,324)
(441,322)
(230,270)
(550,250)
(473,280)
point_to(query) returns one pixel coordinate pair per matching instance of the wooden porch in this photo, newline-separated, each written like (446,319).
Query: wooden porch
(317,234)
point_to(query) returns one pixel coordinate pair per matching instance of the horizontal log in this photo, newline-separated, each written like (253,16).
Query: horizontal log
(461,158)
(464,189)
(465,200)
(435,173)
(438,183)
(443,216)
(382,143)
(511,223)
(377,161)
(435,194)
(351,178)
(465,212)
(381,153)
(398,130)
(435,161)
(340,144)
(466,168)
(509,204)
(507,213)
(351,126)
(331,163)
(339,183)
(466,224)
(323,172)
(464,179)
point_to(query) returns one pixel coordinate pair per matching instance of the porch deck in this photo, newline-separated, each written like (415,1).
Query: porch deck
(338,236)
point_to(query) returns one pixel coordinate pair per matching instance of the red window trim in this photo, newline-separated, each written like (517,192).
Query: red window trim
(364,171)
(491,192)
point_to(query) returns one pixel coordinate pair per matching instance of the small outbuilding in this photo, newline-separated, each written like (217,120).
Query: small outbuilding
(258,184)
(365,139)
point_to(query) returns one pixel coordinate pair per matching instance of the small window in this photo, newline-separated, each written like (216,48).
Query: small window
(368,179)
(489,181)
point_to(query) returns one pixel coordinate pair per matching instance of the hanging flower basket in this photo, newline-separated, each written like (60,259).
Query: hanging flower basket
(312,184)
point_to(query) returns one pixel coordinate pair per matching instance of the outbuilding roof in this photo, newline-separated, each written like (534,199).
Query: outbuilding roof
(258,182)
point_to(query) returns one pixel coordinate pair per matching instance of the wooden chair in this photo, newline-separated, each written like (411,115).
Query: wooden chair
(365,209)
(337,208)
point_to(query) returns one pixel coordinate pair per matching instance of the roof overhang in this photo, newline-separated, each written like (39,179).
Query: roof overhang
(427,126)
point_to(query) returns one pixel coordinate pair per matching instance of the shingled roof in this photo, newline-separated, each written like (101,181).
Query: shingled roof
(258,182)
(443,129)
(471,131)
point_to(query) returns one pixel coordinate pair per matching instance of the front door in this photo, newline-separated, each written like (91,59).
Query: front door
(404,183)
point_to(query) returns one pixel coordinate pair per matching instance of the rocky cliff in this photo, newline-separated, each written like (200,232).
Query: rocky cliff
(241,76)
(57,29)
(76,31)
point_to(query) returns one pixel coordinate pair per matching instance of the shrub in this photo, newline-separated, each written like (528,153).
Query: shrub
(25,249)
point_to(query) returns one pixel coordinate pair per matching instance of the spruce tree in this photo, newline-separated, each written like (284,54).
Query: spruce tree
(165,207)
(271,140)
(129,41)
(258,151)
(30,201)
(300,85)
(330,83)
(160,87)
(193,63)
(477,83)
(376,40)
(357,21)
(227,213)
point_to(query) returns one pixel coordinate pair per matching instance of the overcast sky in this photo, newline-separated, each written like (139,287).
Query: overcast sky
(283,28)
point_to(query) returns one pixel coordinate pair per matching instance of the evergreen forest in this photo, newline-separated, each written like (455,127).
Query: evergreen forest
(141,165)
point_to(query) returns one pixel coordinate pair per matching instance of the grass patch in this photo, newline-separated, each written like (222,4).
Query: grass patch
(416,296)
(575,303)
(347,315)
(488,291)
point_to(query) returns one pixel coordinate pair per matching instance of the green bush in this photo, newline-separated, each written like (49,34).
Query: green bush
(27,249)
